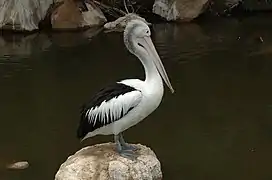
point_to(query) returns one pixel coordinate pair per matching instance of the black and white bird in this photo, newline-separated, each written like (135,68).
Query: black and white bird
(123,104)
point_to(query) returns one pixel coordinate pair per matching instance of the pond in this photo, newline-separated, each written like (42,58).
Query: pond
(217,124)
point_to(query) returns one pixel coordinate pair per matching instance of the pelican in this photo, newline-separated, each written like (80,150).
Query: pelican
(123,104)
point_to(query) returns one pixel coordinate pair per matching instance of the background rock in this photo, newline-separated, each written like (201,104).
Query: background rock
(184,10)
(69,16)
(94,16)
(22,15)
(102,162)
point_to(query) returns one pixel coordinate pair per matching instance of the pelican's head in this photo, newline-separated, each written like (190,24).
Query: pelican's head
(138,41)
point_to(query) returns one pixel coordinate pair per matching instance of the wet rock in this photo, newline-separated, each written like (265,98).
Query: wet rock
(182,10)
(120,23)
(102,162)
(22,15)
(94,16)
(18,165)
(69,15)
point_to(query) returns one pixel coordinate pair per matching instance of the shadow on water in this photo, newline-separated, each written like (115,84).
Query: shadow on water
(216,126)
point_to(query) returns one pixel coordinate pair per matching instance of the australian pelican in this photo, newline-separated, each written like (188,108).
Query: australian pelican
(124,104)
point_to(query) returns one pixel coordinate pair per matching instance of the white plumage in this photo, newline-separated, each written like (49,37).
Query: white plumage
(112,110)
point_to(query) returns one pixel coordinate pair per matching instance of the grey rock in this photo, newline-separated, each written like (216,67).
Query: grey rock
(69,16)
(102,162)
(179,10)
(22,15)
(18,165)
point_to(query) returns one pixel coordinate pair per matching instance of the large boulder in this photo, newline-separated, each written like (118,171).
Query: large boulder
(22,15)
(103,163)
(69,15)
(179,10)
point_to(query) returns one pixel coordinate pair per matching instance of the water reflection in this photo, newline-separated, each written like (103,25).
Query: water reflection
(16,50)
(216,126)
(25,45)
(192,34)
(69,39)
(22,45)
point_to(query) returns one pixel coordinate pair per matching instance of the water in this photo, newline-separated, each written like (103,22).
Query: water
(218,124)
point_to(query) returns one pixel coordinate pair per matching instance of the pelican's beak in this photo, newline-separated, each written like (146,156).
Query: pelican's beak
(157,61)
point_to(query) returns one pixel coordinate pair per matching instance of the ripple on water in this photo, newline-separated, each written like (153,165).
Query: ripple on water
(10,65)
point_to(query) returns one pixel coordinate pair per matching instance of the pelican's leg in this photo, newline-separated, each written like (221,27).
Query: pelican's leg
(126,145)
(123,152)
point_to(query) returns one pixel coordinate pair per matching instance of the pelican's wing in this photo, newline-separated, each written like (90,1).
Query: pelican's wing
(107,106)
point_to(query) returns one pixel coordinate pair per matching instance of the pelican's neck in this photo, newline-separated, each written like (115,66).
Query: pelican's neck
(151,72)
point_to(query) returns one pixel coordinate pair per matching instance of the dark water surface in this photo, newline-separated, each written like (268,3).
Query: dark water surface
(218,124)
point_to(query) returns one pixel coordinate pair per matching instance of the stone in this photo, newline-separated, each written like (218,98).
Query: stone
(179,10)
(94,16)
(68,15)
(22,15)
(18,165)
(120,23)
(102,162)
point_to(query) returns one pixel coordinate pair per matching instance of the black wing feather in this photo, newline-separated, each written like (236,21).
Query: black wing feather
(105,94)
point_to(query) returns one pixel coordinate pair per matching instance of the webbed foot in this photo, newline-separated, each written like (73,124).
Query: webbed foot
(129,147)
(125,145)
(127,154)
(124,149)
